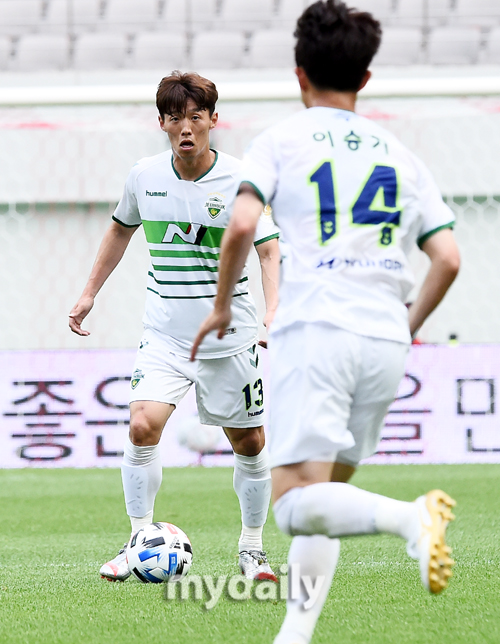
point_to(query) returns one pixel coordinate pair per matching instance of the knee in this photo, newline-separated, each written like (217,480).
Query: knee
(249,443)
(142,431)
(283,509)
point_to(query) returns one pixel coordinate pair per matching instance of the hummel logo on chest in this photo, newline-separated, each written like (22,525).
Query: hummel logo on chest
(156,194)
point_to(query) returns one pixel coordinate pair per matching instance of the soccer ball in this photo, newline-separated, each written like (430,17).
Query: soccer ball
(159,552)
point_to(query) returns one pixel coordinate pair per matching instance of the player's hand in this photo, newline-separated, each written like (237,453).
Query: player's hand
(268,319)
(216,321)
(78,313)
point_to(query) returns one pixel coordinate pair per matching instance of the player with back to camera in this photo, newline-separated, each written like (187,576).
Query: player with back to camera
(183,198)
(350,201)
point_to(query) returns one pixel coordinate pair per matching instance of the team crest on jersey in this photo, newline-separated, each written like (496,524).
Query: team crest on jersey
(215,204)
(137,376)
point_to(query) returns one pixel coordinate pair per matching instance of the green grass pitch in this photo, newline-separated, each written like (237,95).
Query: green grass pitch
(58,526)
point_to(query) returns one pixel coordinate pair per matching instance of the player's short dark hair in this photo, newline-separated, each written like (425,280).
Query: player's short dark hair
(175,90)
(336,44)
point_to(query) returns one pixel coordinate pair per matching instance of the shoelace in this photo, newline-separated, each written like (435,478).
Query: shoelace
(258,555)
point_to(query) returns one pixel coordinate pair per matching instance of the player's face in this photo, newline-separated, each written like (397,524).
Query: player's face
(189,133)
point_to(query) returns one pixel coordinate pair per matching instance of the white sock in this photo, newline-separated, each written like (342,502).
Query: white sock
(316,558)
(141,477)
(252,484)
(141,522)
(340,509)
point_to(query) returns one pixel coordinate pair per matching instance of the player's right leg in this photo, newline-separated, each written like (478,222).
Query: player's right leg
(141,474)
(320,370)
(158,383)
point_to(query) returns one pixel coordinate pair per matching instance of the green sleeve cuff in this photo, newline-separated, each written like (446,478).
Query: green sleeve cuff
(425,237)
(261,241)
(256,190)
(125,225)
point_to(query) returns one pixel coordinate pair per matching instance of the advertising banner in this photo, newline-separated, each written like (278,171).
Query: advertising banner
(70,409)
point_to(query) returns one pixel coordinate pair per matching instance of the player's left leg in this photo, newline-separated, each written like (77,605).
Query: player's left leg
(230,393)
(252,484)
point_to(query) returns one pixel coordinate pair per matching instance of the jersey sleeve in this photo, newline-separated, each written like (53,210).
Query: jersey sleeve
(127,210)
(435,215)
(266,228)
(260,168)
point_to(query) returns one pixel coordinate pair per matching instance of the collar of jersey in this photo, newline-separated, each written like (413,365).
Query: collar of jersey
(201,175)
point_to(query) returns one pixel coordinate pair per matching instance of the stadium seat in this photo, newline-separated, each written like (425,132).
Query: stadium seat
(272,48)
(400,46)
(41,51)
(159,50)
(288,12)
(225,53)
(192,15)
(419,13)
(246,15)
(477,13)
(100,51)
(453,46)
(130,16)
(62,17)
(19,17)
(5,49)
(381,9)
(492,52)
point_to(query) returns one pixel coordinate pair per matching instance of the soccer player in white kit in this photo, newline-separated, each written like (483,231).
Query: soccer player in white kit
(183,198)
(350,201)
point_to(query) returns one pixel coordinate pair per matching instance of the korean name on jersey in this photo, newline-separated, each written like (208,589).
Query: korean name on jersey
(184,222)
(350,201)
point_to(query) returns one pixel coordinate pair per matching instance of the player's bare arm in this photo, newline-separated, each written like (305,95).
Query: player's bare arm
(235,246)
(269,257)
(113,245)
(443,252)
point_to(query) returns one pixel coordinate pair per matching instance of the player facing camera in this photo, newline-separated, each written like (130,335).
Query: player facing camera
(186,106)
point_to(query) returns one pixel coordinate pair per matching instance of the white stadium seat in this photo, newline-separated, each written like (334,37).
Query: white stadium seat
(381,9)
(453,46)
(5,49)
(288,13)
(159,50)
(41,51)
(421,13)
(192,15)
(223,52)
(62,17)
(130,16)
(400,46)
(492,52)
(19,16)
(100,51)
(479,13)
(246,15)
(272,48)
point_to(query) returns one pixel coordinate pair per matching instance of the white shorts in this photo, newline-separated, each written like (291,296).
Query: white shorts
(229,391)
(330,391)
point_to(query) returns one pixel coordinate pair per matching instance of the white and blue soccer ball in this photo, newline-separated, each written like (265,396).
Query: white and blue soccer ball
(159,552)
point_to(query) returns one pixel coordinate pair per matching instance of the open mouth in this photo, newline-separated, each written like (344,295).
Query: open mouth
(186,145)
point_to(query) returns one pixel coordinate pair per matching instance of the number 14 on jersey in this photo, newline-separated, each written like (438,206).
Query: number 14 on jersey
(376,203)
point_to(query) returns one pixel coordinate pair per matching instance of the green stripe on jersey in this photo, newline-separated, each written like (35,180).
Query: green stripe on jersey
(183,253)
(182,232)
(181,269)
(196,283)
(189,297)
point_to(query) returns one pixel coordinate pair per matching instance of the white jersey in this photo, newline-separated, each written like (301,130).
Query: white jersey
(184,222)
(350,201)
